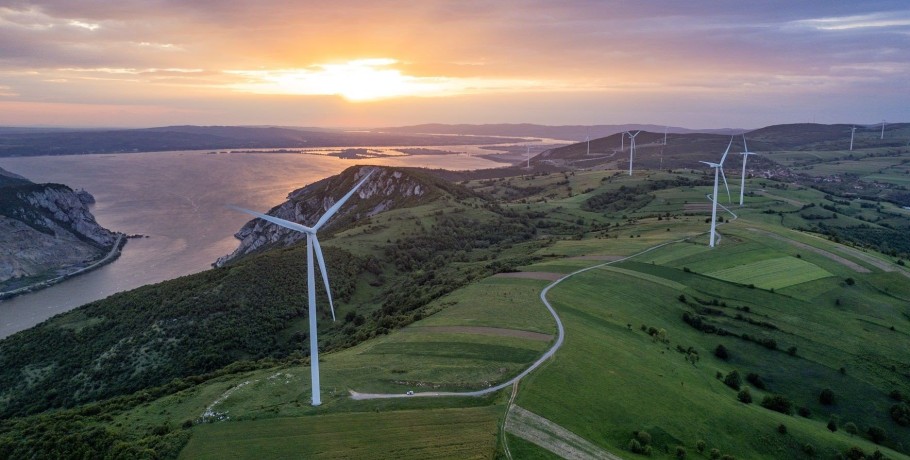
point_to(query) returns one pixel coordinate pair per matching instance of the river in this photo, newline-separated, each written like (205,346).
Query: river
(178,199)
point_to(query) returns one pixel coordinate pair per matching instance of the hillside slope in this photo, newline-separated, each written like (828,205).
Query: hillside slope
(45,230)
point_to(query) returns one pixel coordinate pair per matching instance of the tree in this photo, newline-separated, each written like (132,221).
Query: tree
(733,380)
(744,396)
(900,413)
(721,352)
(778,403)
(826,397)
(876,434)
(700,445)
(715,453)
(782,429)
(850,428)
(681,452)
(832,424)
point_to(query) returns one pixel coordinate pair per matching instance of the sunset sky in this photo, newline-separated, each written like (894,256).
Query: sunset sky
(361,63)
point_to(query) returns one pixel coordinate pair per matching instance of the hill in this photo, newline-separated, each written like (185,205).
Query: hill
(76,142)
(46,233)
(442,292)
(567,132)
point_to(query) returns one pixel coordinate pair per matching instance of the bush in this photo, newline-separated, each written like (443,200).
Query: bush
(896,395)
(850,428)
(744,396)
(826,397)
(804,412)
(680,452)
(728,457)
(635,446)
(809,449)
(832,424)
(876,434)
(791,351)
(755,380)
(643,437)
(715,454)
(778,403)
(900,413)
(782,429)
(700,445)
(733,379)
(721,352)
(850,281)
(855,453)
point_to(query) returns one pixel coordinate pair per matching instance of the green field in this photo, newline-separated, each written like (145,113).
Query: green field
(772,273)
(468,433)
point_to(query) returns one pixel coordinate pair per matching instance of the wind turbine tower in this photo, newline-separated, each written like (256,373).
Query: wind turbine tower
(632,149)
(745,154)
(529,156)
(852,133)
(883,129)
(588,140)
(718,169)
(312,245)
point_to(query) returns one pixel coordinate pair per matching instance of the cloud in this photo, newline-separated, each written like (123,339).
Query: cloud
(889,20)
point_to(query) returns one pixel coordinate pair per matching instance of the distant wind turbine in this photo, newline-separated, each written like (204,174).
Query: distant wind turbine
(718,168)
(312,245)
(745,154)
(632,148)
(883,129)
(665,134)
(529,156)
(588,140)
(852,132)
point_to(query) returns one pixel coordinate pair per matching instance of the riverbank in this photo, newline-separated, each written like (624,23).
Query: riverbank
(111,256)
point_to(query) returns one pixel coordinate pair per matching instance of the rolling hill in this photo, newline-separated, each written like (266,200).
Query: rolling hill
(788,340)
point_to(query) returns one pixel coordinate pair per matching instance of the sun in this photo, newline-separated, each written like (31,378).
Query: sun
(357,81)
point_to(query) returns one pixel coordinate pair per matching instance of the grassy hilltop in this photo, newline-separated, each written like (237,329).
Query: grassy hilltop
(790,339)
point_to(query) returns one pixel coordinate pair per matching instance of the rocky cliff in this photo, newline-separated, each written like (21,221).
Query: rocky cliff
(46,230)
(387,188)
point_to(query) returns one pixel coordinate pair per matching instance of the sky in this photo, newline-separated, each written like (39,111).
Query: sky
(373,63)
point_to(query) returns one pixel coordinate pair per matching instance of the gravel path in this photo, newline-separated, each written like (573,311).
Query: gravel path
(544,433)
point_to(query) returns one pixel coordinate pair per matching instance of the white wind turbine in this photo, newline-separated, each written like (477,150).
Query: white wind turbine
(718,168)
(745,153)
(632,148)
(883,129)
(529,156)
(312,245)
(588,140)
(852,132)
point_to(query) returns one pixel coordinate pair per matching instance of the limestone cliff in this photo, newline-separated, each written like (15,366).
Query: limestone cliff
(387,188)
(46,230)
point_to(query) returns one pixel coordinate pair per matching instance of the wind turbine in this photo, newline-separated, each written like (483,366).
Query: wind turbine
(745,154)
(312,245)
(883,129)
(632,149)
(852,132)
(588,140)
(718,168)
(529,156)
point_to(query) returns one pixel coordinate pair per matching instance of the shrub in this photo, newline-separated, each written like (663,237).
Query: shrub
(728,457)
(643,437)
(804,412)
(733,379)
(809,449)
(755,380)
(744,396)
(715,454)
(778,403)
(635,446)
(721,352)
(855,453)
(680,452)
(850,281)
(826,397)
(850,428)
(791,351)
(782,429)
(700,445)
(896,395)
(876,434)
(900,413)
(832,424)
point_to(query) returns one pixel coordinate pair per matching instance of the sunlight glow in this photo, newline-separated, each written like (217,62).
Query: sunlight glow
(362,80)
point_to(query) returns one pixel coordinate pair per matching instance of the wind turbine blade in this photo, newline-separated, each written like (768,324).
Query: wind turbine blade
(726,152)
(328,214)
(275,220)
(708,163)
(729,197)
(325,274)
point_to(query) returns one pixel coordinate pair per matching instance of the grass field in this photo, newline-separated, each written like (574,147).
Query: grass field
(623,380)
(462,433)
(772,273)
